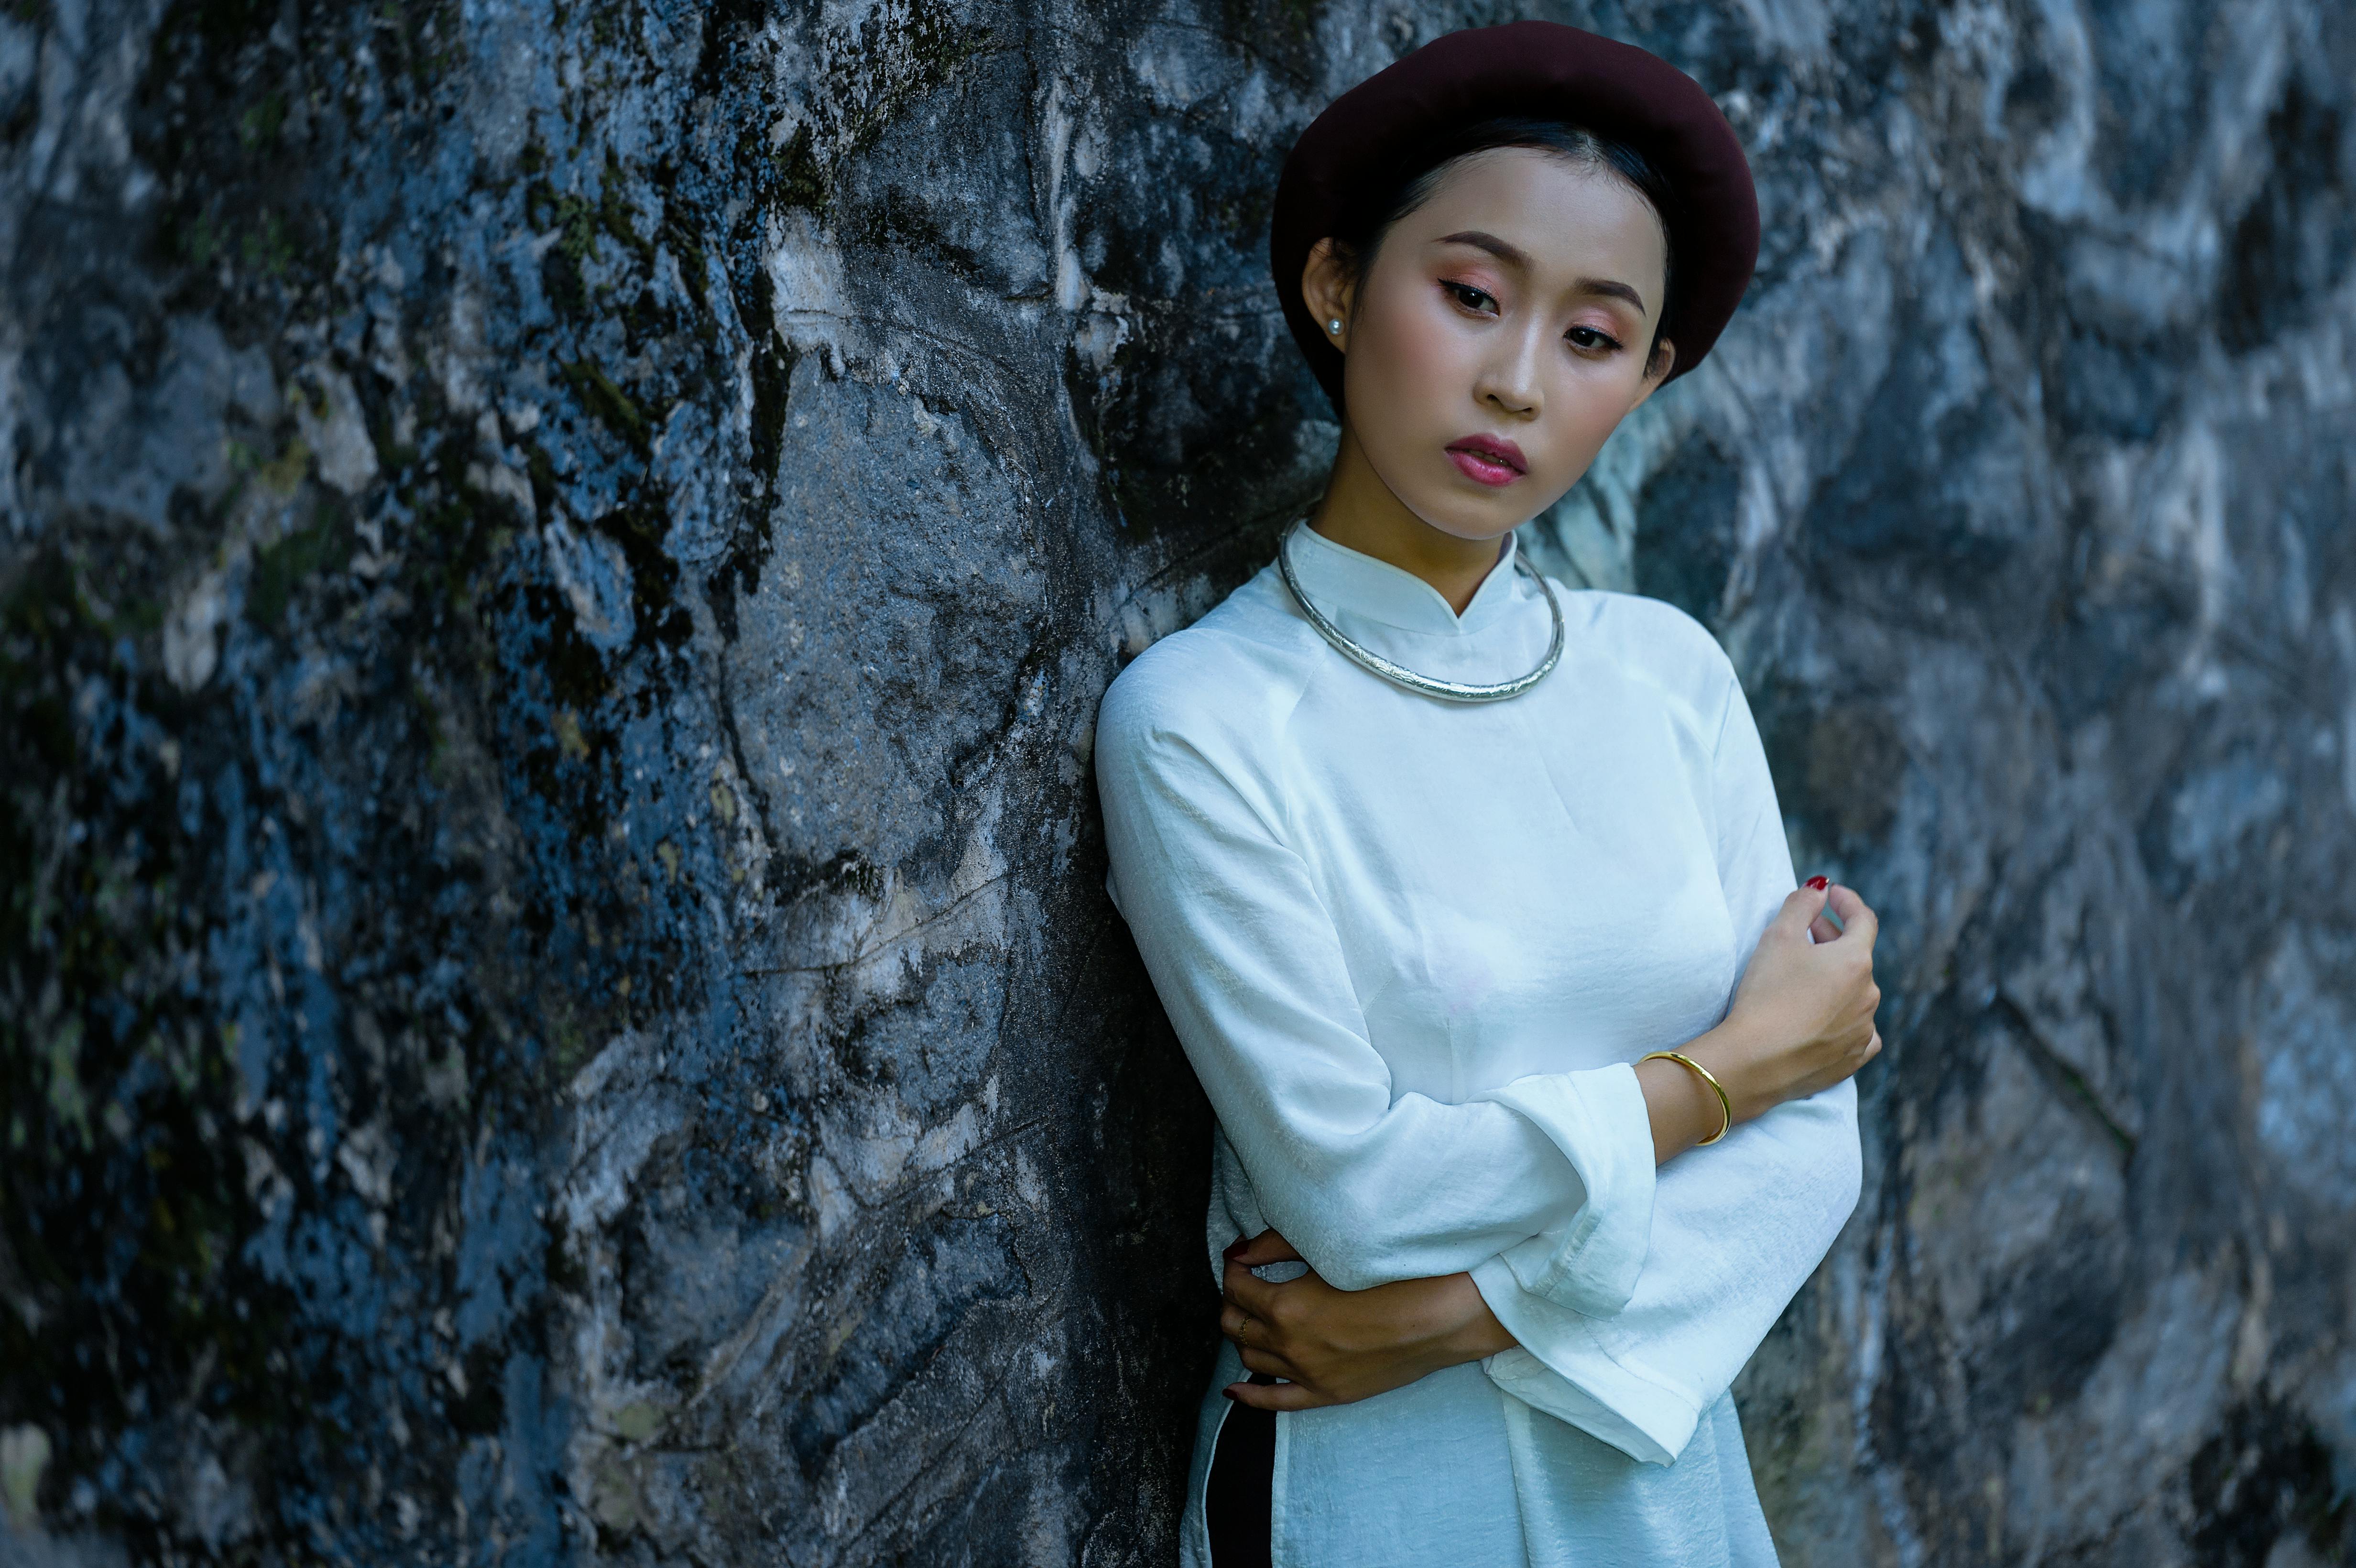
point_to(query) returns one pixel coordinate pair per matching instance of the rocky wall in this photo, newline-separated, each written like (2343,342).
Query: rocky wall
(558,561)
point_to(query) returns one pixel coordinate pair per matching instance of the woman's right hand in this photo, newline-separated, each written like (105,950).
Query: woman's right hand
(1803,1015)
(1802,1022)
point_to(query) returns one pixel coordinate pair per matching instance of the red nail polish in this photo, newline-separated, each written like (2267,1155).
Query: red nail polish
(1819,883)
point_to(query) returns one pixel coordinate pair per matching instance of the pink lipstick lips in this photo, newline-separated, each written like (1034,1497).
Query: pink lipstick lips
(1488,459)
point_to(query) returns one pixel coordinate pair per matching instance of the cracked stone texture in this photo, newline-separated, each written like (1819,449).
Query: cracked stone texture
(559,565)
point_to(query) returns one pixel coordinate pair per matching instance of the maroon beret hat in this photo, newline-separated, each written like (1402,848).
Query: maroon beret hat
(1540,71)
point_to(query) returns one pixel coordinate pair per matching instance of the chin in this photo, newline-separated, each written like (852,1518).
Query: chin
(1473,529)
(1489,515)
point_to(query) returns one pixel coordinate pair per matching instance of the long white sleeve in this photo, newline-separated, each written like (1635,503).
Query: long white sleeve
(1737,1228)
(1554,1171)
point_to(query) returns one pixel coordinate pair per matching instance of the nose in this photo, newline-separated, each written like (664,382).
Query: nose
(1509,380)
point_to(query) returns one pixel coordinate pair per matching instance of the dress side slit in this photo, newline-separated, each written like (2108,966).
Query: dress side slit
(1238,1499)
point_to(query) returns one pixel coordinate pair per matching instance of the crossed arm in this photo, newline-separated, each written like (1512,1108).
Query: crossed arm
(1802,1021)
(1528,1214)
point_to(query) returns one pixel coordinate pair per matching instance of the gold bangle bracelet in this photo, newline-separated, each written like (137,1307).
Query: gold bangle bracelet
(1725,1106)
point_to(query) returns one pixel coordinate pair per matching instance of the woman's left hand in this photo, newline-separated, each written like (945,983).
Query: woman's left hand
(1337,1346)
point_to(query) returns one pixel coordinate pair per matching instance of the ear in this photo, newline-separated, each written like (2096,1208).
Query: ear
(1663,361)
(1328,288)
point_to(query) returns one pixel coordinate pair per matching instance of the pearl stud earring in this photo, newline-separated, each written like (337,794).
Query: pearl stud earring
(1334,325)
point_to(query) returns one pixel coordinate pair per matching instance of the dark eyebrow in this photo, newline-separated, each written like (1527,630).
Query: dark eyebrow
(1508,254)
(1614,289)
(1513,256)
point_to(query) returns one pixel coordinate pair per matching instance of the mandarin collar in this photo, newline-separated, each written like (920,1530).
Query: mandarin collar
(1348,584)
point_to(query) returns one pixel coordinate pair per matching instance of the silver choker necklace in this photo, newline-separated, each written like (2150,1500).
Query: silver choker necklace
(1406,679)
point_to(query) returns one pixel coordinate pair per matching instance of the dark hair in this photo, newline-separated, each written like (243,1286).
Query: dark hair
(1369,216)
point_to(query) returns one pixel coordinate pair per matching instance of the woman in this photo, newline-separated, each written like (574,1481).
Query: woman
(1447,875)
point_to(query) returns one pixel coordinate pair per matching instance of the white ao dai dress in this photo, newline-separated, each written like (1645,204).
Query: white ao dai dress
(1412,948)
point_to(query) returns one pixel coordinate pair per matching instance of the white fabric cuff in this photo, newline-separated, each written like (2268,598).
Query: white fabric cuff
(1598,1120)
(1564,1370)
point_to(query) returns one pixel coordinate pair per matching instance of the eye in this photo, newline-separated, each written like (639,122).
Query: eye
(1470,298)
(1589,340)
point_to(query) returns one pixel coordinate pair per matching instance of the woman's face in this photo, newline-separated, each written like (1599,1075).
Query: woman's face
(1499,337)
